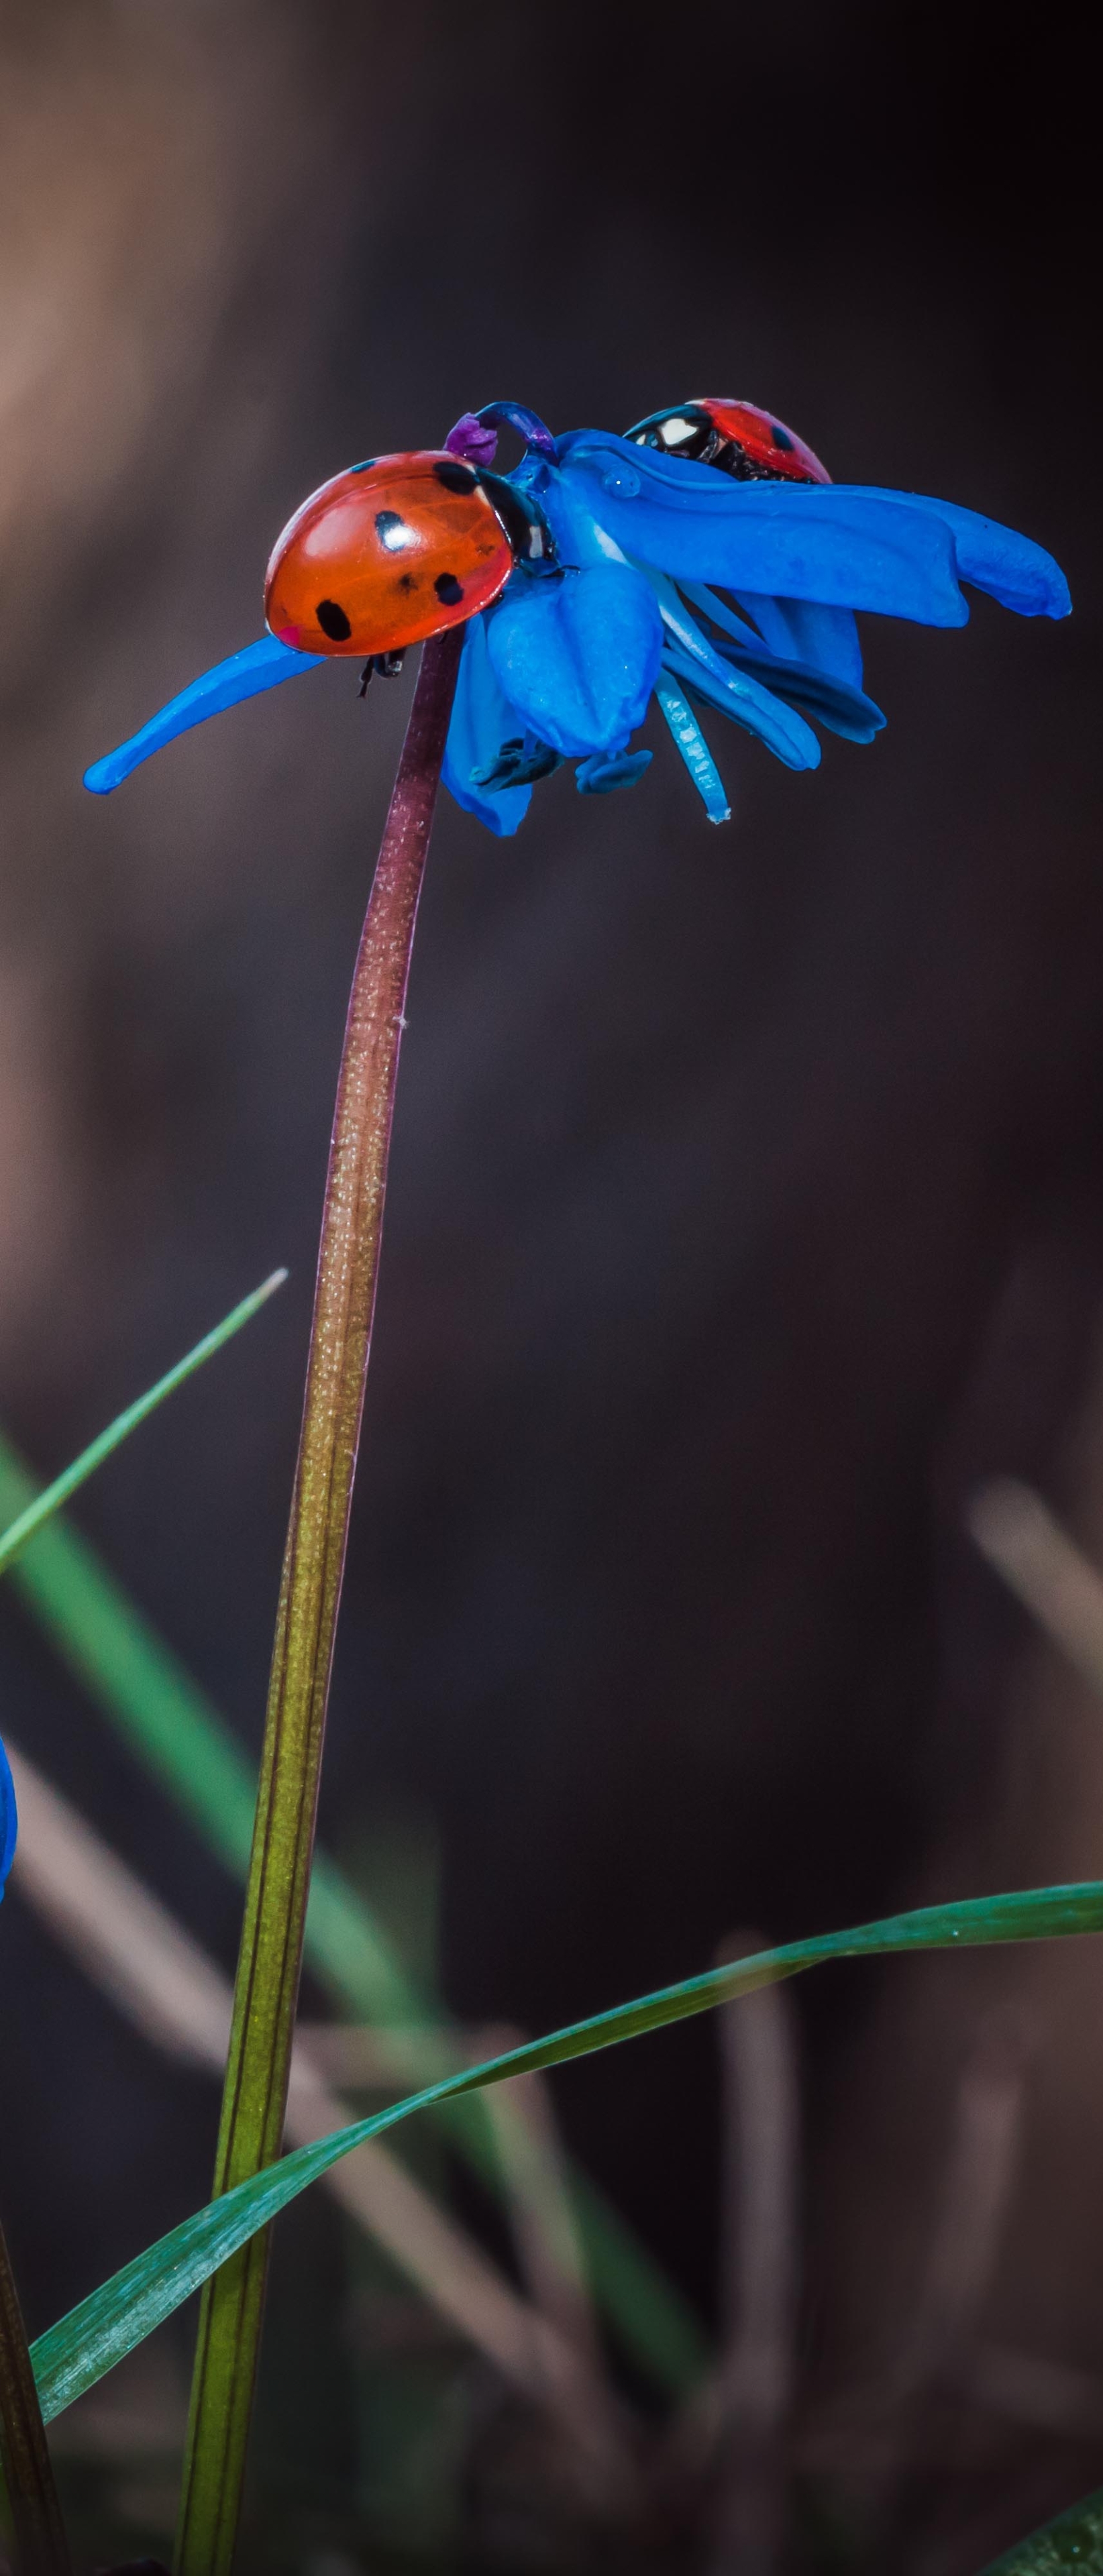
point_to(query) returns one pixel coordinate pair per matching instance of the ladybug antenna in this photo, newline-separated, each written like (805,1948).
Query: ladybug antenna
(494,416)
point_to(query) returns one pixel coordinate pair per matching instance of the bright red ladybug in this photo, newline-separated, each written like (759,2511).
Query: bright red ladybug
(393,550)
(736,436)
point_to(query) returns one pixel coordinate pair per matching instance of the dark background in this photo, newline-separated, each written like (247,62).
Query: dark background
(745,1201)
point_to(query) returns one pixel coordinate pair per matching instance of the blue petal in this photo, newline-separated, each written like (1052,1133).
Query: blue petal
(794,541)
(699,596)
(577,653)
(803,630)
(847,546)
(748,704)
(844,710)
(688,652)
(798,630)
(261,666)
(513,415)
(604,771)
(566,509)
(694,750)
(482,720)
(1020,574)
(9,1820)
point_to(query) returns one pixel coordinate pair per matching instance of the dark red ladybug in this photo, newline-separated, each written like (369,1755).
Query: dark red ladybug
(394,550)
(737,436)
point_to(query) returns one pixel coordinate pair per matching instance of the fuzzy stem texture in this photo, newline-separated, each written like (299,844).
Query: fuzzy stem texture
(41,2548)
(266,1992)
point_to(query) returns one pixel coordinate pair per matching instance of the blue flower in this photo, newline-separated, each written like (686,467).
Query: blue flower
(674,580)
(9,1820)
(659,576)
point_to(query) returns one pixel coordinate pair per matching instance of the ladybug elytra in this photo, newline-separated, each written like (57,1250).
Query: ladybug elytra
(739,437)
(394,550)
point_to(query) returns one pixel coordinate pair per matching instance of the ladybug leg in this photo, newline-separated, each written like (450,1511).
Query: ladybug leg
(388,666)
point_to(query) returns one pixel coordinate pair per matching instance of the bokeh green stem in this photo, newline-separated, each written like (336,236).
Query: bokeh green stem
(266,1992)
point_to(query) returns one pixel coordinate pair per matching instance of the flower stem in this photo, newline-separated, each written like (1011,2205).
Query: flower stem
(265,1996)
(40,2544)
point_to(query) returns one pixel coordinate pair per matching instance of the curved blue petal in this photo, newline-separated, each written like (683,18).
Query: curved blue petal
(528,424)
(606,770)
(748,704)
(579,541)
(482,720)
(694,750)
(721,613)
(845,545)
(803,630)
(793,630)
(260,666)
(9,1820)
(792,541)
(845,710)
(1020,574)
(688,652)
(577,654)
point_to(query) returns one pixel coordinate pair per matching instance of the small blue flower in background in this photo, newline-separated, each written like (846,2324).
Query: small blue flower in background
(704,560)
(9,1820)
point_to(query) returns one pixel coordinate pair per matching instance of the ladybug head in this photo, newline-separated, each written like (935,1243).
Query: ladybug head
(736,436)
(394,550)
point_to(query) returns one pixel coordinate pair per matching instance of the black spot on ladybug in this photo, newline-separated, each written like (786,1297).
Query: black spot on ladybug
(406,581)
(333,621)
(393,531)
(449,591)
(365,467)
(454,476)
(780,436)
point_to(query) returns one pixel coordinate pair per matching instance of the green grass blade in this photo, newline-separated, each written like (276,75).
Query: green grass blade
(142,1687)
(75,2353)
(43,1506)
(145,1692)
(1075,2540)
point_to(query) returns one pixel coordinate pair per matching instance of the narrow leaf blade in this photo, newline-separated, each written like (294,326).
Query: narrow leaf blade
(1075,2540)
(76,2352)
(29,1521)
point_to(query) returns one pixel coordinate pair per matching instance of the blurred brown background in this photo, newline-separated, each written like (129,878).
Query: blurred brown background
(745,1208)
